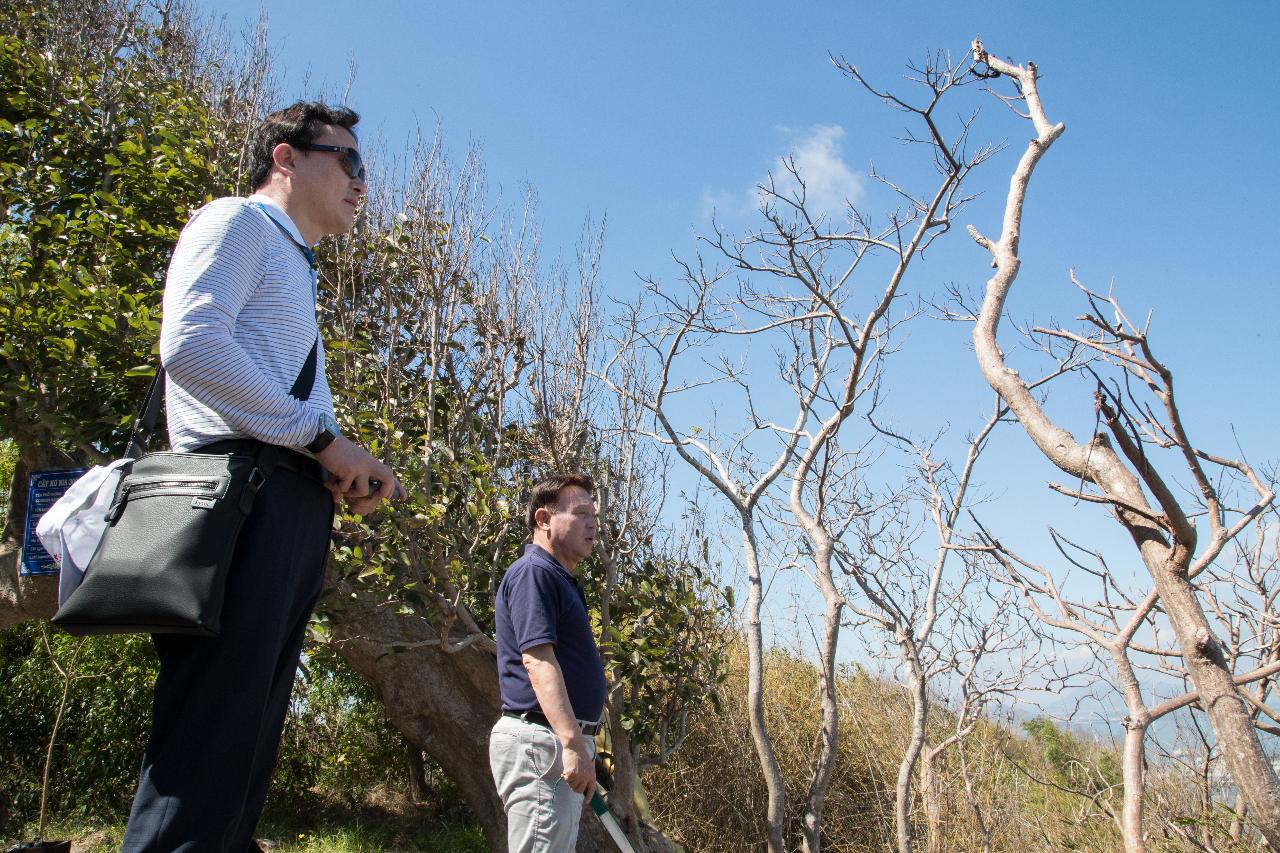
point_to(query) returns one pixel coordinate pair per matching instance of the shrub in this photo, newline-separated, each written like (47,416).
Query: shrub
(103,731)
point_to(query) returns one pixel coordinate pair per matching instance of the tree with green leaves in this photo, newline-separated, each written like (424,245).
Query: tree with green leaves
(470,361)
(104,152)
(438,315)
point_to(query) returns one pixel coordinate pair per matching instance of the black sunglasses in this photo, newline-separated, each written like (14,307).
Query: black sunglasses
(350,158)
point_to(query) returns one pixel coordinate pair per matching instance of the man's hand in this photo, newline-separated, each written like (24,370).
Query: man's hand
(547,681)
(579,770)
(352,471)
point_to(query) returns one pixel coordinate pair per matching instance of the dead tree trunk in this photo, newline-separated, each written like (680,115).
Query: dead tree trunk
(1165,538)
(1133,754)
(829,730)
(918,687)
(775,812)
(1134,760)
(931,798)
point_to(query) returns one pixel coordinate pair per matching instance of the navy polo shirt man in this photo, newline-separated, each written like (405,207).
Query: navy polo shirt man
(550,676)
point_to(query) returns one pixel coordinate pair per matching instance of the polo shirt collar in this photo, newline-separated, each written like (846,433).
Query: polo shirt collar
(277,213)
(532,550)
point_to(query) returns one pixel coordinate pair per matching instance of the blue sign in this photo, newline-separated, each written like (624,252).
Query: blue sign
(43,491)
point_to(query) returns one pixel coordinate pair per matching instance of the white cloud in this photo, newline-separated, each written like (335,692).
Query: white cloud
(721,203)
(819,160)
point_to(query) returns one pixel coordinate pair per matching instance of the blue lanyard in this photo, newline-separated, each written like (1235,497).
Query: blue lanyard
(315,283)
(306,251)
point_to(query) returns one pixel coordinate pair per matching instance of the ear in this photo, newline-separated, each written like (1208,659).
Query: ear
(283,156)
(542,517)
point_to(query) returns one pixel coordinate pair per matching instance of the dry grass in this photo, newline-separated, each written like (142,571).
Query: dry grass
(711,797)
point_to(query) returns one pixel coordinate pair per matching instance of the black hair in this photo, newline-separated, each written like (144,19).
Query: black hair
(547,492)
(297,125)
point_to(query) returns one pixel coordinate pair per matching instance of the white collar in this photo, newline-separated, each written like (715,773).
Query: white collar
(276,212)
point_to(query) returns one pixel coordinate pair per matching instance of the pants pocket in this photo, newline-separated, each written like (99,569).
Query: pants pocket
(502,745)
(543,750)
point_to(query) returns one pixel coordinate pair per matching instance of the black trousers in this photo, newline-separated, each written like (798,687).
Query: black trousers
(220,703)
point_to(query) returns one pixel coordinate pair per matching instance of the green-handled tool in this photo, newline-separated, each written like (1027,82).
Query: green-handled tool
(610,824)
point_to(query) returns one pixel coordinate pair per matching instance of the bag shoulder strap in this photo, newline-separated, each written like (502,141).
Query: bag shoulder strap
(307,375)
(145,424)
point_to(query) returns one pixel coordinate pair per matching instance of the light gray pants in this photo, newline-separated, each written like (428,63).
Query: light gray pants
(542,810)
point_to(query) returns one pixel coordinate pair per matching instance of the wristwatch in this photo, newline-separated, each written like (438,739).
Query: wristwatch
(329,430)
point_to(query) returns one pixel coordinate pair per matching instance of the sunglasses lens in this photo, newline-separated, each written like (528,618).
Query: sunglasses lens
(351,160)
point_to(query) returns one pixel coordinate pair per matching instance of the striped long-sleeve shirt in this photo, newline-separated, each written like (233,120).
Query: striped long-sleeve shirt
(239,320)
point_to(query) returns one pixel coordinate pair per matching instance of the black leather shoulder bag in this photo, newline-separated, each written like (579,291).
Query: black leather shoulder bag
(162,564)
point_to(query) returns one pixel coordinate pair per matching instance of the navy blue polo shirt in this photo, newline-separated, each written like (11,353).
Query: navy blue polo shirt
(539,602)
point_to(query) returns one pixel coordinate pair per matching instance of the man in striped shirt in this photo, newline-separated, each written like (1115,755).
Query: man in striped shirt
(245,368)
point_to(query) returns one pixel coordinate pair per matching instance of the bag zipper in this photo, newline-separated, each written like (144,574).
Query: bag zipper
(209,485)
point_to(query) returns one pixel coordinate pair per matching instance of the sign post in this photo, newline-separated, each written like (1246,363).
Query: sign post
(43,491)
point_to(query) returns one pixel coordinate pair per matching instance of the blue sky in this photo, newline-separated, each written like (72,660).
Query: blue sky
(653,113)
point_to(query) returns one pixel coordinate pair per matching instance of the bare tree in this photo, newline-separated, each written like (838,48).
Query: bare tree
(943,627)
(796,288)
(1253,631)
(1240,594)
(990,658)
(733,472)
(653,585)
(1116,467)
(1121,627)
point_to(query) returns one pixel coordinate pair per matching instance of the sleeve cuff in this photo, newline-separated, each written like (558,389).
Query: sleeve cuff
(537,641)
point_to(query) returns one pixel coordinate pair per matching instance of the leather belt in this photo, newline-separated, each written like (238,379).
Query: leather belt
(287,458)
(540,719)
